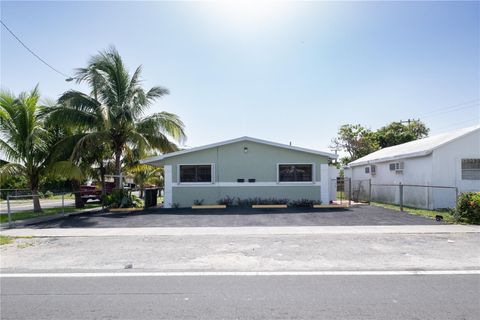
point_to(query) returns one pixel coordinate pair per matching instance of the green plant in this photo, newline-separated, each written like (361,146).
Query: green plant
(48,194)
(5,240)
(228,201)
(122,199)
(198,202)
(259,201)
(468,207)
(303,203)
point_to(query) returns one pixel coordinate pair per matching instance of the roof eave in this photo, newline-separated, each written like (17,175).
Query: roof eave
(392,158)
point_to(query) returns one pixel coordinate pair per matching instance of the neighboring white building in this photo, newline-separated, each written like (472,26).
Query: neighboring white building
(450,159)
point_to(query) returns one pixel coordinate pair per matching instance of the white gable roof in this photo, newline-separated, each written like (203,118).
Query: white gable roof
(417,148)
(218,144)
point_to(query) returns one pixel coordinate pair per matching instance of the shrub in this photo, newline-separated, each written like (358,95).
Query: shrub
(303,203)
(228,201)
(121,199)
(468,207)
(254,201)
(198,202)
(48,194)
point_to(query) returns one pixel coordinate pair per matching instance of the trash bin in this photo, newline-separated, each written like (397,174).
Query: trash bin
(151,197)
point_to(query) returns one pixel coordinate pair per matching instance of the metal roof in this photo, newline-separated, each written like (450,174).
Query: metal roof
(417,148)
(222,143)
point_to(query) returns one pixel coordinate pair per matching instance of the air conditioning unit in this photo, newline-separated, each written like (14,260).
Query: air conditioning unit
(372,169)
(397,166)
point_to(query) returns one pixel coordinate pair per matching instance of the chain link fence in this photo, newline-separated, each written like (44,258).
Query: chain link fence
(22,206)
(403,195)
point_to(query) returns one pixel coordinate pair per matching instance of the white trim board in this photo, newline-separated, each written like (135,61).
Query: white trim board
(247,184)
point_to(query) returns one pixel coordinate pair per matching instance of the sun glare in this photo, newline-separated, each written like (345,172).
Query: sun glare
(248,13)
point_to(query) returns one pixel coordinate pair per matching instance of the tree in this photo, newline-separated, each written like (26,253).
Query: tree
(356,140)
(397,133)
(114,113)
(144,175)
(24,140)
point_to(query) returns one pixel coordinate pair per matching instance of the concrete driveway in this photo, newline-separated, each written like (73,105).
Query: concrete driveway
(236,217)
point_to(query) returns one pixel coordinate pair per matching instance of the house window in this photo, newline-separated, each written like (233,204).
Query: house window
(367,169)
(470,169)
(392,166)
(295,173)
(196,173)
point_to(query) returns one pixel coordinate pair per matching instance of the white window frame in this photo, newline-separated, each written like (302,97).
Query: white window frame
(212,166)
(296,182)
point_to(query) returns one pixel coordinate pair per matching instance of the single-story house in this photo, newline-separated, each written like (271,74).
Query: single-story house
(245,168)
(450,159)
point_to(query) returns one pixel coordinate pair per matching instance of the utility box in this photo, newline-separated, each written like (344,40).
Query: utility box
(151,197)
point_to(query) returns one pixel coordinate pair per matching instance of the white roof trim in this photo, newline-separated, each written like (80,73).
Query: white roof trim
(421,150)
(222,143)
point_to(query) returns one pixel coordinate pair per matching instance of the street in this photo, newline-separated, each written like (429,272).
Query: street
(242,297)
(95,267)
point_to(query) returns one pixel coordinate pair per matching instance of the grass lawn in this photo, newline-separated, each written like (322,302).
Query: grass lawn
(5,240)
(447,217)
(21,215)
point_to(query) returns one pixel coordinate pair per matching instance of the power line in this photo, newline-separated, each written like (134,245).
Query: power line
(33,53)
(455,106)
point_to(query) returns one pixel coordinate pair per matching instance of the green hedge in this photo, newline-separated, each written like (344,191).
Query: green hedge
(468,207)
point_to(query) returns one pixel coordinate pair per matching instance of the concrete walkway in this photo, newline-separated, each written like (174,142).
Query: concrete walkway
(199,231)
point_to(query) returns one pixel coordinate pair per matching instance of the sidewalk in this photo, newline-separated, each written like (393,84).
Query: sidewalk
(209,231)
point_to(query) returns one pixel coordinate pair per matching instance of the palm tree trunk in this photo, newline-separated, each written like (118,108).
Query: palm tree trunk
(36,201)
(34,188)
(78,196)
(118,168)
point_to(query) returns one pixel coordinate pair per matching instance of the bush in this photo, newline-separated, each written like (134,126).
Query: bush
(48,194)
(228,201)
(254,201)
(303,203)
(198,202)
(122,199)
(468,208)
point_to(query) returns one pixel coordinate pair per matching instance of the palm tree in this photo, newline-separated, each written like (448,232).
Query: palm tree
(113,114)
(24,140)
(144,175)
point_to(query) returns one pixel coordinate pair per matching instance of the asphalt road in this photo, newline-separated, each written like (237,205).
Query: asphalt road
(240,217)
(243,297)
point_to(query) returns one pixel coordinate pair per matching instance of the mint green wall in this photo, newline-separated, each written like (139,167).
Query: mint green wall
(232,163)
(185,196)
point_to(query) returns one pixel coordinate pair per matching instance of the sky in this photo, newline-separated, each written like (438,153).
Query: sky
(280,71)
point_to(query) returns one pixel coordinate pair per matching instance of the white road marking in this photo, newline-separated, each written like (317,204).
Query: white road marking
(237,273)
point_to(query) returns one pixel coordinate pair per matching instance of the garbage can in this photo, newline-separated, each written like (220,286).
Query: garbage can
(151,197)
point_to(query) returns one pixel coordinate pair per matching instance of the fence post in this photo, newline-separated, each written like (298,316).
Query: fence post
(456,197)
(349,191)
(369,191)
(63,203)
(401,195)
(9,211)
